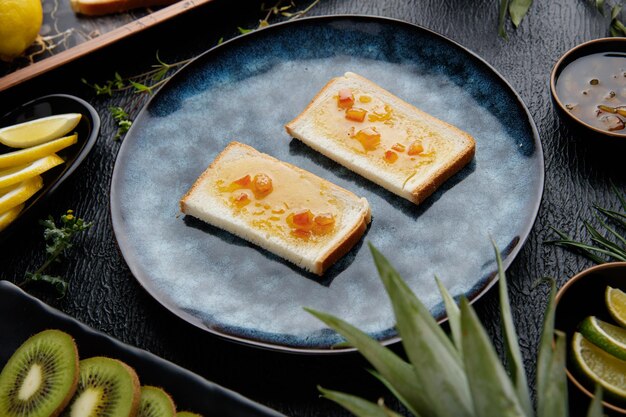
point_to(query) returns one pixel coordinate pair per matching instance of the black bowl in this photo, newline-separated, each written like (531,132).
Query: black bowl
(583,296)
(87,130)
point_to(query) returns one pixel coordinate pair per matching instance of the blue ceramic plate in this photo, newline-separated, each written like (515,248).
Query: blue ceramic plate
(189,391)
(87,131)
(246,90)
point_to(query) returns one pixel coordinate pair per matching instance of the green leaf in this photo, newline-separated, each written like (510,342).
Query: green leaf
(141,88)
(356,405)
(493,393)
(437,364)
(395,393)
(399,373)
(243,31)
(602,241)
(620,196)
(600,6)
(595,408)
(454,315)
(502,18)
(553,401)
(518,9)
(615,11)
(513,354)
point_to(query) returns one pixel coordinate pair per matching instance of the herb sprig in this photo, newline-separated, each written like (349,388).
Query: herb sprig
(516,9)
(616,27)
(122,119)
(58,241)
(608,242)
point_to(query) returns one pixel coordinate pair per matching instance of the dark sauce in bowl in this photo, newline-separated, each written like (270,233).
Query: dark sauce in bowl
(593,89)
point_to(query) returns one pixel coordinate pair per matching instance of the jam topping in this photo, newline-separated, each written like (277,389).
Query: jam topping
(304,223)
(356,114)
(369,138)
(398,147)
(345,99)
(415,148)
(391,157)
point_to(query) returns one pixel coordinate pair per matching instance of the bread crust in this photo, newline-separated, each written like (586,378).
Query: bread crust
(324,260)
(426,186)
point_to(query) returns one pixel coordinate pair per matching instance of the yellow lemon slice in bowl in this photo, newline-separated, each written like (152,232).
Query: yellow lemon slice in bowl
(24,156)
(16,194)
(38,131)
(616,304)
(8,216)
(20,173)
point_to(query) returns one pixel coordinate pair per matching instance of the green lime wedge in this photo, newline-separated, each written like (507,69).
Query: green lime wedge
(600,367)
(610,338)
(616,303)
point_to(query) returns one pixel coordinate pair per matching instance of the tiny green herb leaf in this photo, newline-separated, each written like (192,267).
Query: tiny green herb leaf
(122,119)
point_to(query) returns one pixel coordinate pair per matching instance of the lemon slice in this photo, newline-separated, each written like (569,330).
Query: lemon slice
(15,195)
(8,216)
(23,156)
(20,173)
(611,339)
(38,131)
(616,304)
(599,366)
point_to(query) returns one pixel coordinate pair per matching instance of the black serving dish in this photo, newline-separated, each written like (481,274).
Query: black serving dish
(576,125)
(582,296)
(22,315)
(87,131)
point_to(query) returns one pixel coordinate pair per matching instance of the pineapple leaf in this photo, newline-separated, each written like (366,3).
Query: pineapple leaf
(492,391)
(595,408)
(397,372)
(553,401)
(395,392)
(513,354)
(437,364)
(454,315)
(356,405)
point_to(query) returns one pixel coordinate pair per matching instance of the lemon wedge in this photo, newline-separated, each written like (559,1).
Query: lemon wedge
(23,156)
(38,131)
(8,216)
(20,173)
(616,304)
(14,195)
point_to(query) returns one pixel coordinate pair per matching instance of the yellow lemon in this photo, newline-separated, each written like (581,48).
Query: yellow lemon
(20,21)
(8,216)
(38,131)
(16,194)
(23,156)
(20,173)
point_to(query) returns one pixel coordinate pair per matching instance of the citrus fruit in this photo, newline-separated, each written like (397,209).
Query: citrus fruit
(38,131)
(610,338)
(8,216)
(616,303)
(20,173)
(20,21)
(23,156)
(16,194)
(599,366)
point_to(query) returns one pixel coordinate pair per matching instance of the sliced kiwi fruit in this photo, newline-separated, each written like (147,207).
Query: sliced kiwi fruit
(155,402)
(106,388)
(187,414)
(41,376)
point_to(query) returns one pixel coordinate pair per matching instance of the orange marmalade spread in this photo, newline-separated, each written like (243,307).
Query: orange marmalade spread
(387,136)
(279,200)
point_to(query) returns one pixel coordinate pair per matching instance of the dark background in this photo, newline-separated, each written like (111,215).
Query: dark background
(103,294)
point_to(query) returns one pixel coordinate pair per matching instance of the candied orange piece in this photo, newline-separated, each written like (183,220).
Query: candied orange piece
(345,99)
(415,148)
(324,219)
(356,114)
(391,157)
(241,200)
(378,116)
(262,185)
(369,138)
(365,99)
(398,147)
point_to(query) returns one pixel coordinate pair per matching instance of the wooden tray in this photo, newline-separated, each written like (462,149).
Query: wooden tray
(84,35)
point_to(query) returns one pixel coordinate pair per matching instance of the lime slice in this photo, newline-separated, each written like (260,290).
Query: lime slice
(38,131)
(611,339)
(23,156)
(20,173)
(8,216)
(616,303)
(15,195)
(600,367)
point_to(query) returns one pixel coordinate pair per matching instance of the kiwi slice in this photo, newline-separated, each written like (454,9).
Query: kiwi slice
(41,376)
(155,402)
(106,388)
(187,414)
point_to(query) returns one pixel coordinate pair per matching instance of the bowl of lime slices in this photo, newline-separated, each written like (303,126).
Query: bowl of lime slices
(591,310)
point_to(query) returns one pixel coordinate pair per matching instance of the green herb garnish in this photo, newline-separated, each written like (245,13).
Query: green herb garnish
(460,376)
(58,241)
(516,9)
(122,119)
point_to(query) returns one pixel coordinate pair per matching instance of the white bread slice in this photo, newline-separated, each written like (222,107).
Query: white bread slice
(102,7)
(324,127)
(210,199)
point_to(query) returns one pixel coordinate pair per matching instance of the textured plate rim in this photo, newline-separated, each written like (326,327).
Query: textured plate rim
(123,241)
